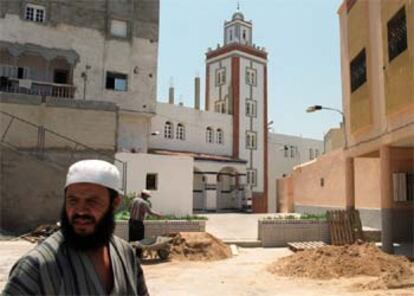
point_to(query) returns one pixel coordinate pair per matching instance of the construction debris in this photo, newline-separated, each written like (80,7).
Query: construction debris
(40,233)
(347,261)
(199,246)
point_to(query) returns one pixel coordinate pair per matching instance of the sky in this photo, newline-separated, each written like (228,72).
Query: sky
(302,41)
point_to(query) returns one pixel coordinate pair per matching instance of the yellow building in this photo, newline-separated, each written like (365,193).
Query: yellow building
(377,59)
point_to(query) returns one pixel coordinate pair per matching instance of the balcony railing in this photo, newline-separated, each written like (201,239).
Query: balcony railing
(39,88)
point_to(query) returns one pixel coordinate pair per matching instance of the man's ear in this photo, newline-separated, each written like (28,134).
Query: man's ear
(116,202)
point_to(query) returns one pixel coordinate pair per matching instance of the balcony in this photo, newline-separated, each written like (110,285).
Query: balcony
(27,81)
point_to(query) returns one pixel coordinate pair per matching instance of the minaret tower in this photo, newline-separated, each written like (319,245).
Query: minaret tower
(236,84)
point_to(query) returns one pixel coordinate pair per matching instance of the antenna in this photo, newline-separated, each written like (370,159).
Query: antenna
(238,5)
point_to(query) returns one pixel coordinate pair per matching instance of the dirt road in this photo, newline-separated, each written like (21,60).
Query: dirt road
(245,274)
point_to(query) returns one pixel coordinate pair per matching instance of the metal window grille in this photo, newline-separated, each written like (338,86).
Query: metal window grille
(358,71)
(209,135)
(29,13)
(180,132)
(168,130)
(219,136)
(397,34)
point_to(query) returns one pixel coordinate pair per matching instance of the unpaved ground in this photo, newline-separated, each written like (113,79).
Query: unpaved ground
(245,274)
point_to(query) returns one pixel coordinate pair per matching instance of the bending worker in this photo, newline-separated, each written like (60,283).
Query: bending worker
(140,207)
(84,257)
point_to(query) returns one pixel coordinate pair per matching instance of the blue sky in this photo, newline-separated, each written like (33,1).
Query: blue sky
(302,41)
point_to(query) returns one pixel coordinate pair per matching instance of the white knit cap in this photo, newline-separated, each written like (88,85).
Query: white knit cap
(96,172)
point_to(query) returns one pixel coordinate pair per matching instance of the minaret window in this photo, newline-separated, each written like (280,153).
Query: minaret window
(251,140)
(168,130)
(251,108)
(251,76)
(231,35)
(251,175)
(180,131)
(209,135)
(220,76)
(244,35)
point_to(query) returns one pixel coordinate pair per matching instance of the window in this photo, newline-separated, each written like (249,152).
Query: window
(251,176)
(251,76)
(116,81)
(244,34)
(220,106)
(119,28)
(220,76)
(316,153)
(180,132)
(310,153)
(403,187)
(397,34)
(231,35)
(61,76)
(168,130)
(251,108)
(151,182)
(293,151)
(286,149)
(209,135)
(358,71)
(219,136)
(251,141)
(35,13)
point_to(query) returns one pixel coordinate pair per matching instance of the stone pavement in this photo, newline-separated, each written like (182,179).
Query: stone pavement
(234,226)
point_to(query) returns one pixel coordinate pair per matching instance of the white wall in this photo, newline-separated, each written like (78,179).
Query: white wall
(195,123)
(133,132)
(279,164)
(175,180)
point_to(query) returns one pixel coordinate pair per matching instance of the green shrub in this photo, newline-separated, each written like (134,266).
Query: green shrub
(124,215)
(304,216)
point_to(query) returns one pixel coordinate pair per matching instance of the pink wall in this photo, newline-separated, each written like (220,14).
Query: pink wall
(307,189)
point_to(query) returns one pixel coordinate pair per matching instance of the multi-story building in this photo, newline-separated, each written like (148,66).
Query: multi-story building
(377,57)
(85,50)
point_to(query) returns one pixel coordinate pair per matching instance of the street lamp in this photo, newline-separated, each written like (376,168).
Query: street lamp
(319,107)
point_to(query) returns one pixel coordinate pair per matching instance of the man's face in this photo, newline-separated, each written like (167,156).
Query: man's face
(86,204)
(88,215)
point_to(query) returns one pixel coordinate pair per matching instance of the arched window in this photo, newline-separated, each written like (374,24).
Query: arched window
(219,136)
(168,130)
(209,135)
(180,131)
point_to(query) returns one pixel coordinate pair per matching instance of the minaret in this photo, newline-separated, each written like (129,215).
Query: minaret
(236,84)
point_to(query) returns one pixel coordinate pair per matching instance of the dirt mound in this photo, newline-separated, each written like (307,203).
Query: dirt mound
(199,246)
(347,261)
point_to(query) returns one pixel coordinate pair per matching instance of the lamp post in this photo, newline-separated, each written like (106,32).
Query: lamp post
(319,107)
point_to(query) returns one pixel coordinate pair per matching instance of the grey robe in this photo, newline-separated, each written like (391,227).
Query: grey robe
(53,268)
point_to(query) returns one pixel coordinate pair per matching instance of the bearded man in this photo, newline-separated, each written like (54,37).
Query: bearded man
(84,257)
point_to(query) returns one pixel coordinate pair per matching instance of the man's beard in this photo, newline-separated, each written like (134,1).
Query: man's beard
(98,238)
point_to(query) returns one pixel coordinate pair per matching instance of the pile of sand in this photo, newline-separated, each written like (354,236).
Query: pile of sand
(348,261)
(198,246)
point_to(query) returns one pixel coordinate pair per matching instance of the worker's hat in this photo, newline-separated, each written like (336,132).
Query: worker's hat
(94,171)
(145,192)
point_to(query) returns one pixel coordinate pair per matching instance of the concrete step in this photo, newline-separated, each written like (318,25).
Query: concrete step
(244,243)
